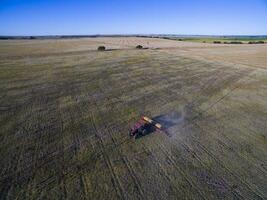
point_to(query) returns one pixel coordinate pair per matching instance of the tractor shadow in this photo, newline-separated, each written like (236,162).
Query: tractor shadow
(149,130)
(170,119)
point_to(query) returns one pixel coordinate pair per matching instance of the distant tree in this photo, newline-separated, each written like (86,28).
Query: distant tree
(139,47)
(101,48)
(256,42)
(217,42)
(4,38)
(236,42)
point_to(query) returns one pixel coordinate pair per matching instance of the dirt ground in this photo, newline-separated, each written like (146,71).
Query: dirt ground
(66,110)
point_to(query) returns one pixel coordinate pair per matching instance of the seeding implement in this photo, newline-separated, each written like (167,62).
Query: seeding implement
(145,126)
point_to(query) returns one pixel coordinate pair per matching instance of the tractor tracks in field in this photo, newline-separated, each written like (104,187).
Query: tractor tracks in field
(195,155)
(124,159)
(134,177)
(212,156)
(185,146)
(244,182)
(127,164)
(171,159)
(227,142)
(119,188)
(188,149)
(231,90)
(223,142)
(170,180)
(166,176)
(255,191)
(110,131)
(233,80)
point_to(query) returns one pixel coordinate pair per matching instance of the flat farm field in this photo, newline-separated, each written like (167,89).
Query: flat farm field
(66,110)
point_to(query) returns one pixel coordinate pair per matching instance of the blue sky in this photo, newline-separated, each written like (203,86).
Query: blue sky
(210,17)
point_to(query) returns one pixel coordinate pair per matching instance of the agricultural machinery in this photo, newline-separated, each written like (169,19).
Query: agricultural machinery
(144,127)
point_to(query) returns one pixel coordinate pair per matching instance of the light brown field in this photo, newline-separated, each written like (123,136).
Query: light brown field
(66,110)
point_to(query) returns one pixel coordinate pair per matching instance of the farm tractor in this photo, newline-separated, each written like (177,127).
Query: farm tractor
(144,127)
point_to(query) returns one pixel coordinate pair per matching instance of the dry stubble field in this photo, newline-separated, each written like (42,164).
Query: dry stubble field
(65,112)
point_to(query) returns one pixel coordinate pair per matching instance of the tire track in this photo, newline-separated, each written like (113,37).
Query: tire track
(255,190)
(119,188)
(127,164)
(158,163)
(133,175)
(185,146)
(193,185)
(228,142)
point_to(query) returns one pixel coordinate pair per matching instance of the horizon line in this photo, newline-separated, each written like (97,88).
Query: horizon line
(133,34)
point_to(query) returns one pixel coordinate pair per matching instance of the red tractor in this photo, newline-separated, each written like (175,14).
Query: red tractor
(143,127)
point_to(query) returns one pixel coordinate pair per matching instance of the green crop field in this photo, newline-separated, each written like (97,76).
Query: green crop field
(223,39)
(66,111)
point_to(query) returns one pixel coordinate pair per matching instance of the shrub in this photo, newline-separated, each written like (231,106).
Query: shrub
(101,48)
(236,42)
(256,42)
(139,47)
(217,42)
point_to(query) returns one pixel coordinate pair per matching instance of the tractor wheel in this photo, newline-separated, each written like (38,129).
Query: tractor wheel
(144,132)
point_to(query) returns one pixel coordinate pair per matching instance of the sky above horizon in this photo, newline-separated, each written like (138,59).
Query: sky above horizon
(81,17)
